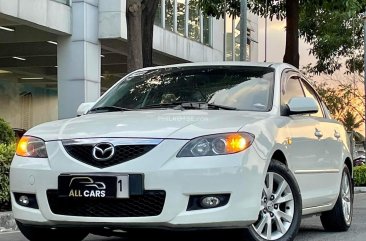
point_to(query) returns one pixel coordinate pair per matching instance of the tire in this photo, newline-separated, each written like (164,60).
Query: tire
(35,233)
(281,207)
(339,219)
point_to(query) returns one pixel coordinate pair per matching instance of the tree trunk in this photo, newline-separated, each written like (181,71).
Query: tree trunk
(134,35)
(292,33)
(148,18)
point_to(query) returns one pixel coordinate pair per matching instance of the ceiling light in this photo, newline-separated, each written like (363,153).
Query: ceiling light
(7,29)
(5,72)
(102,56)
(19,58)
(52,42)
(32,78)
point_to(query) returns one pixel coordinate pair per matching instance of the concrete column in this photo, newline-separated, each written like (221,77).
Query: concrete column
(79,61)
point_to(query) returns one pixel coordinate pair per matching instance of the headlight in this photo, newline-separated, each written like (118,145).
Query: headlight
(220,144)
(29,146)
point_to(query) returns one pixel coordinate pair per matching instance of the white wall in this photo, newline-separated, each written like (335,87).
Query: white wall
(43,14)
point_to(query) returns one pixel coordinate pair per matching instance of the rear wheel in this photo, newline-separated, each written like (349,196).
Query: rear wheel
(340,217)
(281,206)
(35,233)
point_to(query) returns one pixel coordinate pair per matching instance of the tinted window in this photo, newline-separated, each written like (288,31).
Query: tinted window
(244,88)
(292,89)
(309,92)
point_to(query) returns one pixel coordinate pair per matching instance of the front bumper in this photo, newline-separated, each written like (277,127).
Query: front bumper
(241,175)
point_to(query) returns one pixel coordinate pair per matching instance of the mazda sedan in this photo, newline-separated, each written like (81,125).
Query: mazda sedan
(216,145)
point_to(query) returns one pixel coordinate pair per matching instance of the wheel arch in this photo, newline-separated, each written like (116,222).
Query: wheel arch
(279,156)
(349,164)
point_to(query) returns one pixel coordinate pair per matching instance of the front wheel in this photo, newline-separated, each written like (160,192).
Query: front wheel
(281,206)
(340,217)
(35,233)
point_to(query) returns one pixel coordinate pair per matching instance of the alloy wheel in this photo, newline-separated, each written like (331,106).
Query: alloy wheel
(346,199)
(277,208)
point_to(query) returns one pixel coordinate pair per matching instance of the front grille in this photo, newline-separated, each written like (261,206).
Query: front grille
(123,153)
(151,203)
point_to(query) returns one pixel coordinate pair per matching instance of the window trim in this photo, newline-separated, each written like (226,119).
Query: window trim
(303,79)
(285,76)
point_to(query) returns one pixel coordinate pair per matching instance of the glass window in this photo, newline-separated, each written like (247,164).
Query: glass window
(158,15)
(194,23)
(237,39)
(244,88)
(169,15)
(206,30)
(229,38)
(293,89)
(181,16)
(310,92)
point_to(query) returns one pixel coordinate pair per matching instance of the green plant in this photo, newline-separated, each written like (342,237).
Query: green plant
(359,174)
(7,135)
(6,155)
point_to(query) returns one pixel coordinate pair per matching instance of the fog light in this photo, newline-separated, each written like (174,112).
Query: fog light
(24,200)
(210,202)
(207,201)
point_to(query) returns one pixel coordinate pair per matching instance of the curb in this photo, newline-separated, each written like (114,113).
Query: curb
(360,189)
(7,222)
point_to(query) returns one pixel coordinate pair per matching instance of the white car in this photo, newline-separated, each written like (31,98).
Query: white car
(215,145)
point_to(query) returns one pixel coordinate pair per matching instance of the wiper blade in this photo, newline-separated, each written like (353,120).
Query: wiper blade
(161,105)
(108,109)
(224,107)
(189,105)
(205,106)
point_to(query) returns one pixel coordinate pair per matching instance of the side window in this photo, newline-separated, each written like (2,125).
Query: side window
(291,89)
(309,92)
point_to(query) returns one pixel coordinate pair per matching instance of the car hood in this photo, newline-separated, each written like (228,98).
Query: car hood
(175,124)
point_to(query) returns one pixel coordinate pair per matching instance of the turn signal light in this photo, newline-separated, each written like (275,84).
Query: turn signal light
(235,143)
(29,146)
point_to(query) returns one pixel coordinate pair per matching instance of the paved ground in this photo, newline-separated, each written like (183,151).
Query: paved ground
(311,229)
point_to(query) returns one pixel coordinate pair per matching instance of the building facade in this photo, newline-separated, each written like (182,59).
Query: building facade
(56,54)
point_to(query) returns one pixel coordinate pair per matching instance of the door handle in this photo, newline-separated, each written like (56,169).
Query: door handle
(318,133)
(337,134)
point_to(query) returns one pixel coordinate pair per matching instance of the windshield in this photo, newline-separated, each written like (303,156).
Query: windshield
(232,87)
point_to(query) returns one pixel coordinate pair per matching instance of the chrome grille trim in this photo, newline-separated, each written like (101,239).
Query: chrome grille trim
(115,141)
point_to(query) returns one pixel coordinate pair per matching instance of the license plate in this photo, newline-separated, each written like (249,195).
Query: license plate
(93,186)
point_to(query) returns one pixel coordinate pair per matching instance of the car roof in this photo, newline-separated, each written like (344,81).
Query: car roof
(276,66)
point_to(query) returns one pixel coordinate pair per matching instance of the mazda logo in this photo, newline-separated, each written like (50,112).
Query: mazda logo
(103,151)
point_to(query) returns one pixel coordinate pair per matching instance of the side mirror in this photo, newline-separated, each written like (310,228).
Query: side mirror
(302,105)
(84,107)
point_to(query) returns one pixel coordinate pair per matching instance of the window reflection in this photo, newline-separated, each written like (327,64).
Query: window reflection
(194,23)
(158,16)
(243,88)
(181,16)
(229,38)
(206,30)
(169,15)
(232,51)
(185,20)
